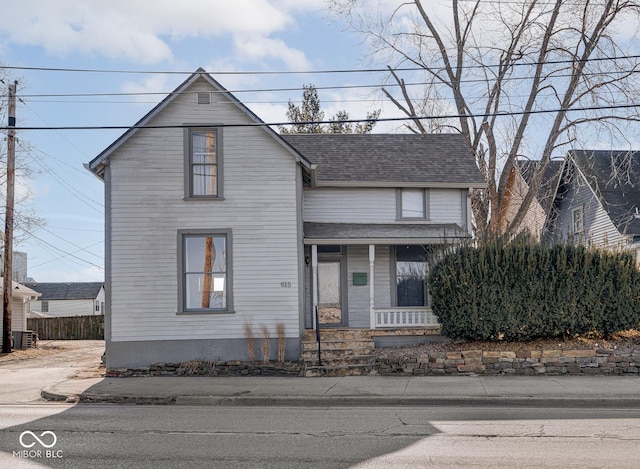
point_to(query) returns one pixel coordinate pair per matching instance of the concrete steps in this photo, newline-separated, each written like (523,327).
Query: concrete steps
(344,352)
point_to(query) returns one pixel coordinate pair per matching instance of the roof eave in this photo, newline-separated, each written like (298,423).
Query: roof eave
(434,185)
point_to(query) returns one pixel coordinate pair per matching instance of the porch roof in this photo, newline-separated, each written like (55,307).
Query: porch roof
(372,233)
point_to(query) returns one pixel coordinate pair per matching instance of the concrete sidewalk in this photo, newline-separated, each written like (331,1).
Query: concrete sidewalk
(555,391)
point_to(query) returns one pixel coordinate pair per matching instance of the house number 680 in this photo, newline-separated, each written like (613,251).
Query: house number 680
(285,284)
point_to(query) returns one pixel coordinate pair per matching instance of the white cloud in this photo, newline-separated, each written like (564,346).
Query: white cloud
(254,48)
(139,31)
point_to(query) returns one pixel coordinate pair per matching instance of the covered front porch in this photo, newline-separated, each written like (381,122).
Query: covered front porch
(373,276)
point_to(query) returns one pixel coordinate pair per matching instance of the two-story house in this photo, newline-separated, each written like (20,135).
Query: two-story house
(214,221)
(598,200)
(518,186)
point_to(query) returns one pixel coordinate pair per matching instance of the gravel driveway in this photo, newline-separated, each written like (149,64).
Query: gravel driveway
(24,373)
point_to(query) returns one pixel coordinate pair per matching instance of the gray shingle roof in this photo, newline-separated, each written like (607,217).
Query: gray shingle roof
(550,179)
(67,291)
(389,158)
(615,178)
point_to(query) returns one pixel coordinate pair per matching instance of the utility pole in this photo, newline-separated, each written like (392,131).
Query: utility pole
(8,225)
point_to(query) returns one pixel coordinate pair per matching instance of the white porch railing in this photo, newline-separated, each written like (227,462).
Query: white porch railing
(403,317)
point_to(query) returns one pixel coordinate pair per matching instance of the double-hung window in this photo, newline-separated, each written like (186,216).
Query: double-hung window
(205,277)
(577,221)
(413,204)
(203,163)
(411,275)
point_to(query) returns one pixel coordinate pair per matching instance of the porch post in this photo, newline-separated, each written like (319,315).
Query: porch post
(372,312)
(314,282)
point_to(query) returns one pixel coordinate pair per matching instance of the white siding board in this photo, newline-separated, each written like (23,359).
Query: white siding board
(599,230)
(445,206)
(358,295)
(62,308)
(148,210)
(354,205)
(382,277)
(376,205)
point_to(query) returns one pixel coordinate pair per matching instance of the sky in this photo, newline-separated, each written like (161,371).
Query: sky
(107,63)
(146,36)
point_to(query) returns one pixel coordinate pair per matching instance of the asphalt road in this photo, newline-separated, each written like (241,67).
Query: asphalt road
(110,436)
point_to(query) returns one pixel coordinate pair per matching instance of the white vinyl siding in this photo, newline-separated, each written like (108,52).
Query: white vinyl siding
(358,261)
(148,208)
(352,205)
(598,229)
(377,205)
(445,206)
(61,308)
(18,316)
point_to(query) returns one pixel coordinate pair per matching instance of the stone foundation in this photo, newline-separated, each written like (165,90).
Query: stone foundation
(535,362)
(204,368)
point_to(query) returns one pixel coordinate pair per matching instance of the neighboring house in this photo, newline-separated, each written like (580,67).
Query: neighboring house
(518,184)
(214,222)
(67,299)
(598,200)
(21,297)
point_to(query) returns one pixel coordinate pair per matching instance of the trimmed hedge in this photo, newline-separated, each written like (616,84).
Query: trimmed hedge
(524,291)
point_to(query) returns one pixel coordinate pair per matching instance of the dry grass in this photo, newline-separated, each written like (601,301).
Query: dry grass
(282,341)
(265,345)
(251,341)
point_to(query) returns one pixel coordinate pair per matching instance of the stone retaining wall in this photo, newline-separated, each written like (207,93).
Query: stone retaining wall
(205,368)
(536,362)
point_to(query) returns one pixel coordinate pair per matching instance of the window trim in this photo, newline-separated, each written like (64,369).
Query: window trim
(188,176)
(182,236)
(394,276)
(44,306)
(425,204)
(574,211)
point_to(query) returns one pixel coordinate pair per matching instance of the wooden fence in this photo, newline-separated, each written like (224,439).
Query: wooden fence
(68,328)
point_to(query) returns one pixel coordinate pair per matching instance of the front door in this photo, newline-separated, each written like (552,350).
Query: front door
(330,293)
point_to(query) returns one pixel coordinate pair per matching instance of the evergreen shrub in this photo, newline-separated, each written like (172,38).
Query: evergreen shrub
(521,290)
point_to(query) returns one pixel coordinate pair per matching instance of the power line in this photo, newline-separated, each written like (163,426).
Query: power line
(333,87)
(347,121)
(295,72)
(66,254)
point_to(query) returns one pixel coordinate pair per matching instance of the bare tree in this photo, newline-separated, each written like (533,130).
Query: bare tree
(521,79)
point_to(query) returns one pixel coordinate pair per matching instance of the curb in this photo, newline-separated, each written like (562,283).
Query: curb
(370,401)
(347,401)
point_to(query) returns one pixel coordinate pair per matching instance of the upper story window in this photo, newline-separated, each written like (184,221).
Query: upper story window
(203,163)
(413,204)
(577,221)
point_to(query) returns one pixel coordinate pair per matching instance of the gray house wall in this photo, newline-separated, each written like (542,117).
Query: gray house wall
(148,208)
(378,205)
(599,230)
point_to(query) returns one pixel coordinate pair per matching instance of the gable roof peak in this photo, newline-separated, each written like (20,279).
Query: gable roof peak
(97,165)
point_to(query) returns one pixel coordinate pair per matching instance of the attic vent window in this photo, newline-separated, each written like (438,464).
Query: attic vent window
(203,99)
